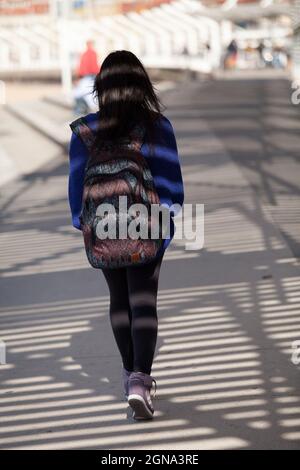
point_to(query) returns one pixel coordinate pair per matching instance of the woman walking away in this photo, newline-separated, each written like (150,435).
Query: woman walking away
(126,151)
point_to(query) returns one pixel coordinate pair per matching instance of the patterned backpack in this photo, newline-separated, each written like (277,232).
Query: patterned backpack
(116,169)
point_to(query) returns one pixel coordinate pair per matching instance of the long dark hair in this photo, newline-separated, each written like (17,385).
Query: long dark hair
(125,96)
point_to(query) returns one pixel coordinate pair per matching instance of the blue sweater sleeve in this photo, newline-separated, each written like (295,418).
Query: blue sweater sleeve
(78,154)
(165,166)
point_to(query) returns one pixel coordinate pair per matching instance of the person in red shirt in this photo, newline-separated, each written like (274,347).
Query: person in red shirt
(86,72)
(88,64)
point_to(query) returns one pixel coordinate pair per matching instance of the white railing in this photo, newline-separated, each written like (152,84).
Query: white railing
(2,92)
(166,36)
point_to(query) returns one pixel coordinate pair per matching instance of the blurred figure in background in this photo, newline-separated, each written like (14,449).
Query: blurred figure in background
(260,51)
(231,55)
(88,64)
(280,60)
(87,70)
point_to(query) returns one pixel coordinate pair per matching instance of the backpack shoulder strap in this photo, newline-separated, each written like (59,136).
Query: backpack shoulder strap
(80,128)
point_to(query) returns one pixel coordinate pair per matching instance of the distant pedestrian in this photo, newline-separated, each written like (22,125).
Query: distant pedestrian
(88,63)
(231,55)
(86,72)
(127,148)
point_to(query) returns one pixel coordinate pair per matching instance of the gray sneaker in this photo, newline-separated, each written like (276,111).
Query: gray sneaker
(126,374)
(139,398)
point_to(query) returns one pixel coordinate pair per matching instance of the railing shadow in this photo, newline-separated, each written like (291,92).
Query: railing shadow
(228,315)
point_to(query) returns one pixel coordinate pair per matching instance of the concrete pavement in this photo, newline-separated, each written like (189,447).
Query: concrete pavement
(228,314)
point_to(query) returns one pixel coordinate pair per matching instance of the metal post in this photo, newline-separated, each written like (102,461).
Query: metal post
(65,59)
(2,92)
(296,40)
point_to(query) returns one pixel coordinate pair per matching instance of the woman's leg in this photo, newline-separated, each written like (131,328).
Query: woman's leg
(120,314)
(142,288)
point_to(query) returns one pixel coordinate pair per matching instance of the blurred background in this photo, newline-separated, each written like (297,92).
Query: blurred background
(42,39)
(50,50)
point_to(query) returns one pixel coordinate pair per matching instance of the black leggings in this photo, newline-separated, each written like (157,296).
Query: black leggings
(133,314)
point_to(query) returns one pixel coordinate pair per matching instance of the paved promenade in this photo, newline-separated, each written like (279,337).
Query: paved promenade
(228,314)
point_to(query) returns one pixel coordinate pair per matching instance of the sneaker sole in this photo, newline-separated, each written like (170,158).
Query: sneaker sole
(140,408)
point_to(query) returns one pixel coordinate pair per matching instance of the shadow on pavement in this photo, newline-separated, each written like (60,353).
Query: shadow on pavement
(228,313)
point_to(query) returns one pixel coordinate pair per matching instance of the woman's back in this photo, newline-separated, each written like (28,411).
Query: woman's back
(126,96)
(161,154)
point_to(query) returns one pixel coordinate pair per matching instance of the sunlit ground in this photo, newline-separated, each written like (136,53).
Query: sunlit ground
(228,314)
(28,90)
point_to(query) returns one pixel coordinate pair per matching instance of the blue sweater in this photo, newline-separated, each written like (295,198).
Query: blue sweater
(163,162)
